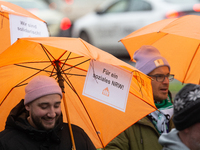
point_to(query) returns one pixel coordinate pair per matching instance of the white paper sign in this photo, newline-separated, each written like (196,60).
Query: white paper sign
(26,27)
(108,84)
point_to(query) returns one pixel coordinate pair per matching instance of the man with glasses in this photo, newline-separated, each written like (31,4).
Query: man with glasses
(144,134)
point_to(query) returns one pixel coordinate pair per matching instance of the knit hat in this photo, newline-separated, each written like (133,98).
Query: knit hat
(187,107)
(148,58)
(40,86)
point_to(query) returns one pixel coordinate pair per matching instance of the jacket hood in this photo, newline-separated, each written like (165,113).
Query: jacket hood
(18,119)
(171,141)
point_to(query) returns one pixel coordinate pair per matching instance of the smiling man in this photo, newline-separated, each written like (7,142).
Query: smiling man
(36,122)
(45,112)
(144,134)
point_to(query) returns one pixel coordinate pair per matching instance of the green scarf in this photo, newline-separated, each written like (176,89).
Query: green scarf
(161,118)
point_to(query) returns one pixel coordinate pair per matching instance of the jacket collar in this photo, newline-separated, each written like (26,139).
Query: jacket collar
(145,121)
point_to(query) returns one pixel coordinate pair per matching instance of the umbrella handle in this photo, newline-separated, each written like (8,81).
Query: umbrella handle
(69,123)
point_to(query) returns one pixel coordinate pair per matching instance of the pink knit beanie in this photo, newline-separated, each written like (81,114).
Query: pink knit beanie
(40,86)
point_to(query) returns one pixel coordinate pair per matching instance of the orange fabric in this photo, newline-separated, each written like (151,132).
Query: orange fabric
(105,120)
(177,40)
(7,8)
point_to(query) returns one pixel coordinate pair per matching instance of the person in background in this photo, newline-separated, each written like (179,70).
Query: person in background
(186,135)
(144,134)
(36,122)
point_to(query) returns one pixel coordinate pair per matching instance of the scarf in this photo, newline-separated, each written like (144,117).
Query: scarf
(160,118)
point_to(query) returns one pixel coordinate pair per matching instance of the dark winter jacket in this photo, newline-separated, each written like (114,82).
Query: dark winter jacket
(20,135)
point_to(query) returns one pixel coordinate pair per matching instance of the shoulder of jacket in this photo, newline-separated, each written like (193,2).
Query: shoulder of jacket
(144,122)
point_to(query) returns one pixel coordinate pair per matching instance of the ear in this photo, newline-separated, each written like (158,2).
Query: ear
(187,130)
(27,106)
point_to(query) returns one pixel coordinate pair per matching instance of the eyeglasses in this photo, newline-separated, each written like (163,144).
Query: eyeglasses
(161,77)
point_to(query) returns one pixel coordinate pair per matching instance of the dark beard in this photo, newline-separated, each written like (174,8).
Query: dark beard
(39,125)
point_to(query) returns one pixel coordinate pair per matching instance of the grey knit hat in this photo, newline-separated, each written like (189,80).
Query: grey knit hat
(40,86)
(148,58)
(187,107)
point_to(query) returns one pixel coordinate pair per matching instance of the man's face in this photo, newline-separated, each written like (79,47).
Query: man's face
(44,112)
(160,89)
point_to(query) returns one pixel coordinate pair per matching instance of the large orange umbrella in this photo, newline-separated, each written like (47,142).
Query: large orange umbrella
(177,39)
(70,58)
(16,22)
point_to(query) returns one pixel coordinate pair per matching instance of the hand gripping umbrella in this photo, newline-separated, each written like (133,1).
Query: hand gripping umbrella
(67,60)
(16,22)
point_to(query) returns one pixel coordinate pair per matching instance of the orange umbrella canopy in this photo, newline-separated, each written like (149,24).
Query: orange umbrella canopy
(29,57)
(7,9)
(177,40)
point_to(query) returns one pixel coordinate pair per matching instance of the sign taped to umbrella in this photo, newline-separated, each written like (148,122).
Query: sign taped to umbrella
(17,22)
(108,84)
(21,26)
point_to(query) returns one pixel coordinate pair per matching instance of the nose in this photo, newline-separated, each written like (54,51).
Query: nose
(166,80)
(51,113)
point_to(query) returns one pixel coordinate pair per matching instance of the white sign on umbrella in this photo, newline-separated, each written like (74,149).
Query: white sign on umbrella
(108,84)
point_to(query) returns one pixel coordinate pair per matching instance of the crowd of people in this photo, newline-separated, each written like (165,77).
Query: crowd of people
(36,122)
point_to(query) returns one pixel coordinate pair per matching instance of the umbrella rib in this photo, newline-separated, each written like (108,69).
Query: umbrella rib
(66,60)
(74,74)
(141,91)
(144,101)
(83,43)
(45,50)
(75,57)
(191,63)
(76,65)
(20,84)
(139,85)
(6,95)
(69,83)
(3,16)
(64,63)
(34,68)
(34,62)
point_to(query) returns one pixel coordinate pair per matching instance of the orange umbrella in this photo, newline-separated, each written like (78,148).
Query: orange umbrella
(18,22)
(177,40)
(70,58)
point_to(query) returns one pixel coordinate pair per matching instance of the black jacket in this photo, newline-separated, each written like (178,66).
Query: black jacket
(20,135)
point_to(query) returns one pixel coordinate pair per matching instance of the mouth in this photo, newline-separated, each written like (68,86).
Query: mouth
(49,121)
(164,90)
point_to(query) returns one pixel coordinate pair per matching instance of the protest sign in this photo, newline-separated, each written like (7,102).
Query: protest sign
(108,84)
(26,27)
